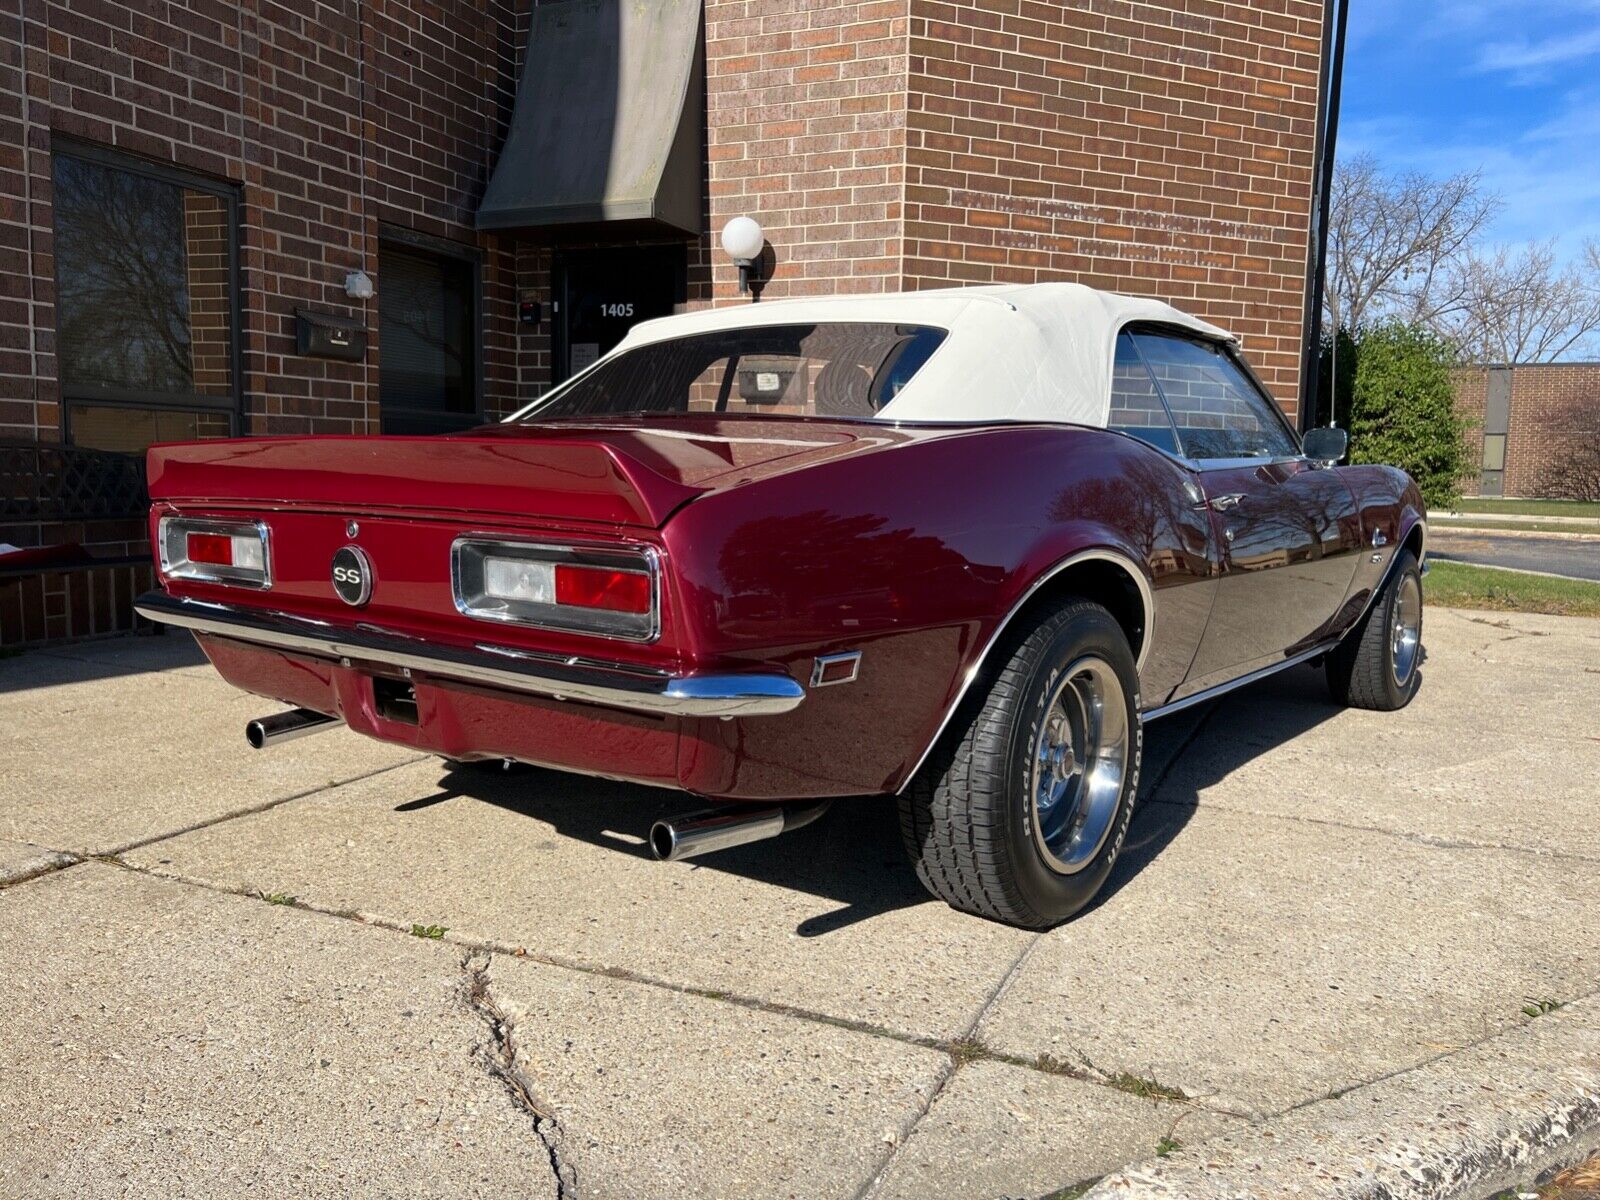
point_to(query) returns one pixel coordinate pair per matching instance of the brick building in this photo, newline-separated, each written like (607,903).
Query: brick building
(195,194)
(1533,429)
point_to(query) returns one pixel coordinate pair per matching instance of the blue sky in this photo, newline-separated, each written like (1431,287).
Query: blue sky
(1508,87)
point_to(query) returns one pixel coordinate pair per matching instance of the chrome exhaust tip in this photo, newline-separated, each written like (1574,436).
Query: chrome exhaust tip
(694,834)
(283,727)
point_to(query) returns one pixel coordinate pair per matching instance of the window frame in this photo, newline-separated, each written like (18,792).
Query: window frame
(409,240)
(231,404)
(1128,331)
(1233,356)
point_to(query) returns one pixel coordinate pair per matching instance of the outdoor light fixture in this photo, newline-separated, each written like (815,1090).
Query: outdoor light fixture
(358,286)
(743,241)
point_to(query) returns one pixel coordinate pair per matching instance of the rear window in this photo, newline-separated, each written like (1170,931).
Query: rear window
(839,369)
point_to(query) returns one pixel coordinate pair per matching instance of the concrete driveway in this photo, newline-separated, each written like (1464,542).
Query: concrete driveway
(337,968)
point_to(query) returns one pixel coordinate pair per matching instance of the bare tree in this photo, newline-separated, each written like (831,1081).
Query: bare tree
(1573,470)
(1519,305)
(1393,240)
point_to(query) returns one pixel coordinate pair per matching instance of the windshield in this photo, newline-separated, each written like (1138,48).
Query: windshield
(838,369)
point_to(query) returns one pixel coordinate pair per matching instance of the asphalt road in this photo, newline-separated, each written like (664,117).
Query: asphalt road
(1576,557)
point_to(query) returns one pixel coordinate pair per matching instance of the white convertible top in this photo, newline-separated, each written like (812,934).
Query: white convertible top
(1020,352)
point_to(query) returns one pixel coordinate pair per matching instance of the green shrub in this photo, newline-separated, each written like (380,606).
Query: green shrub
(1396,398)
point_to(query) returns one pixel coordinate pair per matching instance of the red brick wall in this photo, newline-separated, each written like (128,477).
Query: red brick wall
(1472,396)
(1160,150)
(806,132)
(333,117)
(1555,415)
(1156,149)
(1555,412)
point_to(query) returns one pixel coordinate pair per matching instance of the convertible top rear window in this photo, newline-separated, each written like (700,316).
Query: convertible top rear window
(838,369)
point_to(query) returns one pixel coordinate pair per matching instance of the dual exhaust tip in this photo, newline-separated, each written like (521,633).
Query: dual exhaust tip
(671,840)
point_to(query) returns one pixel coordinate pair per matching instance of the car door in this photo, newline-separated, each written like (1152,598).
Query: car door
(1288,530)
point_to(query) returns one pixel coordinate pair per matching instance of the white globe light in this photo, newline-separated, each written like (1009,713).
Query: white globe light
(743,239)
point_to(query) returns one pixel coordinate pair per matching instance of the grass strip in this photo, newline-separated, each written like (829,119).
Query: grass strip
(1460,585)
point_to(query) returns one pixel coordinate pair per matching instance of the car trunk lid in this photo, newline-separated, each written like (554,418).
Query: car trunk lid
(628,473)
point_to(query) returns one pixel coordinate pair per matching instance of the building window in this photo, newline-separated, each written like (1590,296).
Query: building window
(146,313)
(427,340)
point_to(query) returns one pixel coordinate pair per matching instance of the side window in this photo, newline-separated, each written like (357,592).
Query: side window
(1218,411)
(1136,407)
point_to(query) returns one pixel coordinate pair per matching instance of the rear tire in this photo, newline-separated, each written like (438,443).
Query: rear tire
(1021,812)
(1376,665)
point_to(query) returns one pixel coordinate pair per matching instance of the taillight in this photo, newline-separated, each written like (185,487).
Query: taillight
(614,593)
(603,587)
(215,551)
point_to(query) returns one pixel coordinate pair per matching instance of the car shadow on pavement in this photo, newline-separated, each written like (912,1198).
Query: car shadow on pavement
(1186,756)
(853,857)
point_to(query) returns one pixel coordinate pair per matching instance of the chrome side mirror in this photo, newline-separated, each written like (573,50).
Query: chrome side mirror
(1326,445)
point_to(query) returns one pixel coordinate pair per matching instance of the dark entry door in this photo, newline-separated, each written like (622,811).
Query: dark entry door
(600,294)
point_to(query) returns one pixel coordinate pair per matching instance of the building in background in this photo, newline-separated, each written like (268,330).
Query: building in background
(197,198)
(1533,429)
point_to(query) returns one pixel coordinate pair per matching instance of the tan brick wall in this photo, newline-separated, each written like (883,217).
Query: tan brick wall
(1155,149)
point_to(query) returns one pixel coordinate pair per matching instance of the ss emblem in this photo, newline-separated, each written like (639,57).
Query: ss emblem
(352,575)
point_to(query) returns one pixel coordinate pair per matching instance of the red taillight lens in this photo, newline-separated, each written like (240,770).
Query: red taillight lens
(602,587)
(213,548)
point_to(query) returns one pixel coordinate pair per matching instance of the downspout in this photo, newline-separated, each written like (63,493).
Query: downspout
(1322,184)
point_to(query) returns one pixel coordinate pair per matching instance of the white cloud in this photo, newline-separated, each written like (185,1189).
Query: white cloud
(1529,61)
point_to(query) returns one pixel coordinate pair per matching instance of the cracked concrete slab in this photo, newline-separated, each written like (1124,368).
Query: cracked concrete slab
(126,740)
(170,1041)
(828,919)
(1286,923)
(1466,1125)
(23,860)
(1258,963)
(1003,1130)
(656,1093)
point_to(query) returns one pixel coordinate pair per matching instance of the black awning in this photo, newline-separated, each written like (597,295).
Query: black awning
(606,131)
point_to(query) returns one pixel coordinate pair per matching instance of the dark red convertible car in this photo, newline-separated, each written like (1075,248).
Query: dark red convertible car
(955,547)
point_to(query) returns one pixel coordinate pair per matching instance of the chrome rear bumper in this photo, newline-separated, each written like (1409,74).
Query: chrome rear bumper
(612,685)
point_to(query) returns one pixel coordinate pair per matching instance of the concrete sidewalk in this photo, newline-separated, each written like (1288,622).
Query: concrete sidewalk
(1308,975)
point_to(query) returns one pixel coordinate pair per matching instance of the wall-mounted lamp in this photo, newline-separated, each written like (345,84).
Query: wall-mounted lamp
(743,241)
(358,286)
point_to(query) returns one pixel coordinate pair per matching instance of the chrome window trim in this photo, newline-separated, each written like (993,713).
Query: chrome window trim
(551,676)
(1146,598)
(1229,350)
(204,572)
(628,558)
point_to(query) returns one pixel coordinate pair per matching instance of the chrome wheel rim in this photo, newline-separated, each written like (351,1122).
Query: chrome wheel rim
(1080,759)
(1405,632)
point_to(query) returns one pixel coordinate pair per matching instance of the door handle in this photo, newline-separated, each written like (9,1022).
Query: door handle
(1225,502)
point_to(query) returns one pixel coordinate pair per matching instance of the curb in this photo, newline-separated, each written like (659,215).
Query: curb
(1443,527)
(1460,1127)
